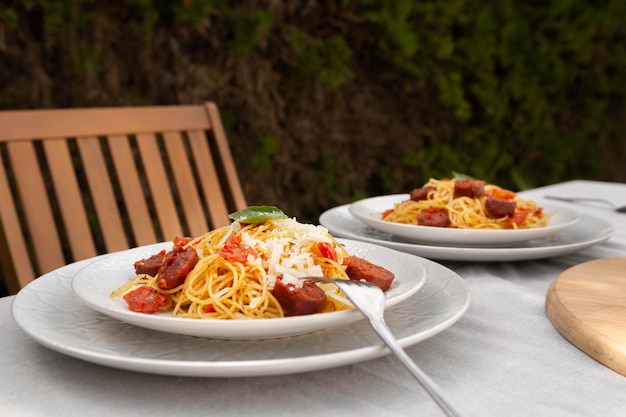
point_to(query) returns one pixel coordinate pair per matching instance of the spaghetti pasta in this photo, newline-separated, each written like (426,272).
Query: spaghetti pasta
(466,204)
(238,267)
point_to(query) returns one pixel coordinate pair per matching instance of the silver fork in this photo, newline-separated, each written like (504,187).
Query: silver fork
(370,300)
(621,209)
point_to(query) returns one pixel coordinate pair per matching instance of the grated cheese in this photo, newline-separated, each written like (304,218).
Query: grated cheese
(289,254)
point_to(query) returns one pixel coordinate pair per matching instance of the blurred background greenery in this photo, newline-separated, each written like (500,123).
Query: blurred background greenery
(326,102)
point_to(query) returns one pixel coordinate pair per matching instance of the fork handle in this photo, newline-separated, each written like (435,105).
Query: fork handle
(429,385)
(577,199)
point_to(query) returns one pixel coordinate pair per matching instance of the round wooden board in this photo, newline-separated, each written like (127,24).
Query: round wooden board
(587,305)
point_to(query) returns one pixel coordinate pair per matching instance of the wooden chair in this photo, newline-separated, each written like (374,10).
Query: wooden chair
(75,183)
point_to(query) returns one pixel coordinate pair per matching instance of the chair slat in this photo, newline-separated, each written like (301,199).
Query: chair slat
(159,185)
(209,181)
(132,190)
(37,209)
(13,254)
(232,187)
(69,198)
(102,193)
(186,184)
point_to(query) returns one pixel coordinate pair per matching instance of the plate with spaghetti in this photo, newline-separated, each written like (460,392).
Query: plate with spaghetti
(96,283)
(437,217)
(49,312)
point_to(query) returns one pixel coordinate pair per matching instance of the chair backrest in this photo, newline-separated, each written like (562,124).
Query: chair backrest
(75,183)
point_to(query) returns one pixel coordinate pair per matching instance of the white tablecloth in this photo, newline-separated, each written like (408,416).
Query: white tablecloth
(502,358)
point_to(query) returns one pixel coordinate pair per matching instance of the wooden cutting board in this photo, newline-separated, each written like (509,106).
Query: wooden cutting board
(587,305)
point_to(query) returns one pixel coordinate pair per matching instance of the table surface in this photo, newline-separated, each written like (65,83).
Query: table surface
(502,358)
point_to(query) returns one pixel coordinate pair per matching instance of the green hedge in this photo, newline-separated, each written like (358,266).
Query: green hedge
(534,90)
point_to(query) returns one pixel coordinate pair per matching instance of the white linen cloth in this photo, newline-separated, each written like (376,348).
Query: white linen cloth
(502,358)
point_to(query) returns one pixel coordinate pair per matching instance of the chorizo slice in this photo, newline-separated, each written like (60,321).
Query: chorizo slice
(435,217)
(469,188)
(177,264)
(360,269)
(151,265)
(421,193)
(299,301)
(499,207)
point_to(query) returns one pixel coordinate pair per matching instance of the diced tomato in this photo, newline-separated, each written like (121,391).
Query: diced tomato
(498,192)
(145,300)
(234,251)
(327,250)
(233,240)
(519,216)
(181,241)
(386,213)
(209,308)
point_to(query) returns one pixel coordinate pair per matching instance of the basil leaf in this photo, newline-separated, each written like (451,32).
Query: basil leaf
(459,176)
(257,214)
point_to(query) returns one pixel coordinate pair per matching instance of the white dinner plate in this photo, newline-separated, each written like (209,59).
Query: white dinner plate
(588,231)
(48,311)
(94,284)
(369,210)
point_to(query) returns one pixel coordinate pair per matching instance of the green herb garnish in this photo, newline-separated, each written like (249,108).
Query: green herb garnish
(257,214)
(459,176)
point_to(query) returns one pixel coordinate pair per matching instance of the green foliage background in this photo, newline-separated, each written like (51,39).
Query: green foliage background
(326,102)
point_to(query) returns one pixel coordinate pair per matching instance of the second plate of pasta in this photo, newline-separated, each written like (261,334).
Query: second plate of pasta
(370,210)
(94,284)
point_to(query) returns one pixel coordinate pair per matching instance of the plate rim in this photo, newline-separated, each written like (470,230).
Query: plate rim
(235,368)
(452,236)
(233,329)
(470,253)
